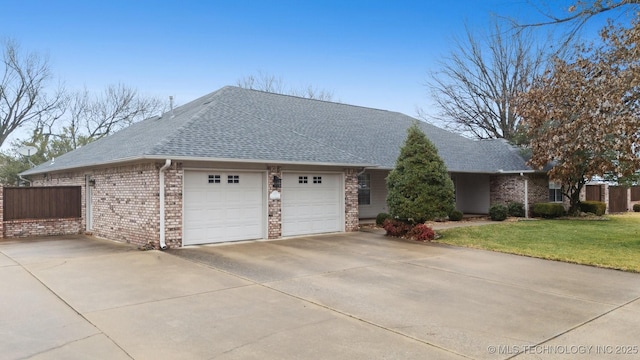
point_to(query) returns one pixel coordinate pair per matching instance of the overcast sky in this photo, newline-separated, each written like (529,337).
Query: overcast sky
(369,53)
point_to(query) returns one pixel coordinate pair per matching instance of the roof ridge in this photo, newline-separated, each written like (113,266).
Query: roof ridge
(297,133)
(311,99)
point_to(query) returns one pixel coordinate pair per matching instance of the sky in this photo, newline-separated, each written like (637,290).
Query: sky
(371,53)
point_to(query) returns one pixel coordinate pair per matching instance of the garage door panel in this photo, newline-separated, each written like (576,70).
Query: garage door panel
(223,211)
(311,208)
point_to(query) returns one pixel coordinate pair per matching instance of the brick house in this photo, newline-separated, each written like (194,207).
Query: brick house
(241,164)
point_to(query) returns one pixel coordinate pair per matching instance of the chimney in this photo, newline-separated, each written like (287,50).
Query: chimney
(171,105)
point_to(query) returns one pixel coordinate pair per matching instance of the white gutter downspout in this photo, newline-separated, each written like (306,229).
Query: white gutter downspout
(163,244)
(25,180)
(526,196)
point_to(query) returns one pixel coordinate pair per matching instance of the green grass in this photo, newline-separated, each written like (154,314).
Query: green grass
(612,243)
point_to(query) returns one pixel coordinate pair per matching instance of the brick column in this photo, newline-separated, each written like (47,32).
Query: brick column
(351,210)
(173,179)
(275,206)
(1,211)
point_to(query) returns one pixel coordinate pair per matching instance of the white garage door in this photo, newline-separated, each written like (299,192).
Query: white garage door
(222,206)
(311,203)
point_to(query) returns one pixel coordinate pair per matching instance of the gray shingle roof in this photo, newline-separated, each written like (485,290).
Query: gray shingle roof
(248,125)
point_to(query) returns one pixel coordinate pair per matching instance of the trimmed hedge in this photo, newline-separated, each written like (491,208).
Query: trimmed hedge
(594,207)
(548,210)
(456,215)
(515,209)
(636,207)
(498,212)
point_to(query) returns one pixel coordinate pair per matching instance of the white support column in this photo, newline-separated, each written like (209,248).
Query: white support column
(526,197)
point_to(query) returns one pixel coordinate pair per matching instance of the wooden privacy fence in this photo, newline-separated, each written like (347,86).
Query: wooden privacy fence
(594,193)
(57,202)
(617,199)
(635,193)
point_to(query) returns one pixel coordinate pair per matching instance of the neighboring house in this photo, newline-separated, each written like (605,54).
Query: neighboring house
(241,164)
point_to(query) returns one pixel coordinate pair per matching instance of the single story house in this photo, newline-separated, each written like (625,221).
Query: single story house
(241,164)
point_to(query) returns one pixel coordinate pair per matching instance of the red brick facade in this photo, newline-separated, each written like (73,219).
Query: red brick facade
(351,213)
(275,205)
(173,178)
(42,227)
(511,187)
(125,203)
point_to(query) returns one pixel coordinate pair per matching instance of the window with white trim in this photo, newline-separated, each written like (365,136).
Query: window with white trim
(555,192)
(364,189)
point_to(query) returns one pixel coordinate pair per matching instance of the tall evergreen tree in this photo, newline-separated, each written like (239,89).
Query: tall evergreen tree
(419,188)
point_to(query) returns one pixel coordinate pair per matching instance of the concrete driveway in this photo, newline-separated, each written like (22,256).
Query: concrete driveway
(347,296)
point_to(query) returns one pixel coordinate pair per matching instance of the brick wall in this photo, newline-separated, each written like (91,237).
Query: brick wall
(275,206)
(351,212)
(173,178)
(125,201)
(42,227)
(126,204)
(508,188)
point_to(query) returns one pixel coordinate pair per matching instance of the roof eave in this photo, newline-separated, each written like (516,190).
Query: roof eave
(257,161)
(197,158)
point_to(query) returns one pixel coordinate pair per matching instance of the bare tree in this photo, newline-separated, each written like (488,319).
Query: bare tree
(311,92)
(263,82)
(478,82)
(117,107)
(22,90)
(576,15)
(273,84)
(89,117)
(580,12)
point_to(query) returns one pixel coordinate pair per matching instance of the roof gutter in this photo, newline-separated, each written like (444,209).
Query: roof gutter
(519,172)
(163,244)
(195,159)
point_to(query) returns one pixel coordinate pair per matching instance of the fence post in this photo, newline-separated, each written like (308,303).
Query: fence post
(1,211)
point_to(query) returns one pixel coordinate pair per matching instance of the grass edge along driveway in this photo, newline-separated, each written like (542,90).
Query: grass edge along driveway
(613,242)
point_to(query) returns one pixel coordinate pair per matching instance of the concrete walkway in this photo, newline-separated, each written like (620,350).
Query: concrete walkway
(347,296)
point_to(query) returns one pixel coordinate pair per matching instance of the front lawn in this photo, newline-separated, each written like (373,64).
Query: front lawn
(611,243)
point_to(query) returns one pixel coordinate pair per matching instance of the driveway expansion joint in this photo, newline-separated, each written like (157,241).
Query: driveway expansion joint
(382,327)
(584,323)
(99,331)
(185,296)
(70,342)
